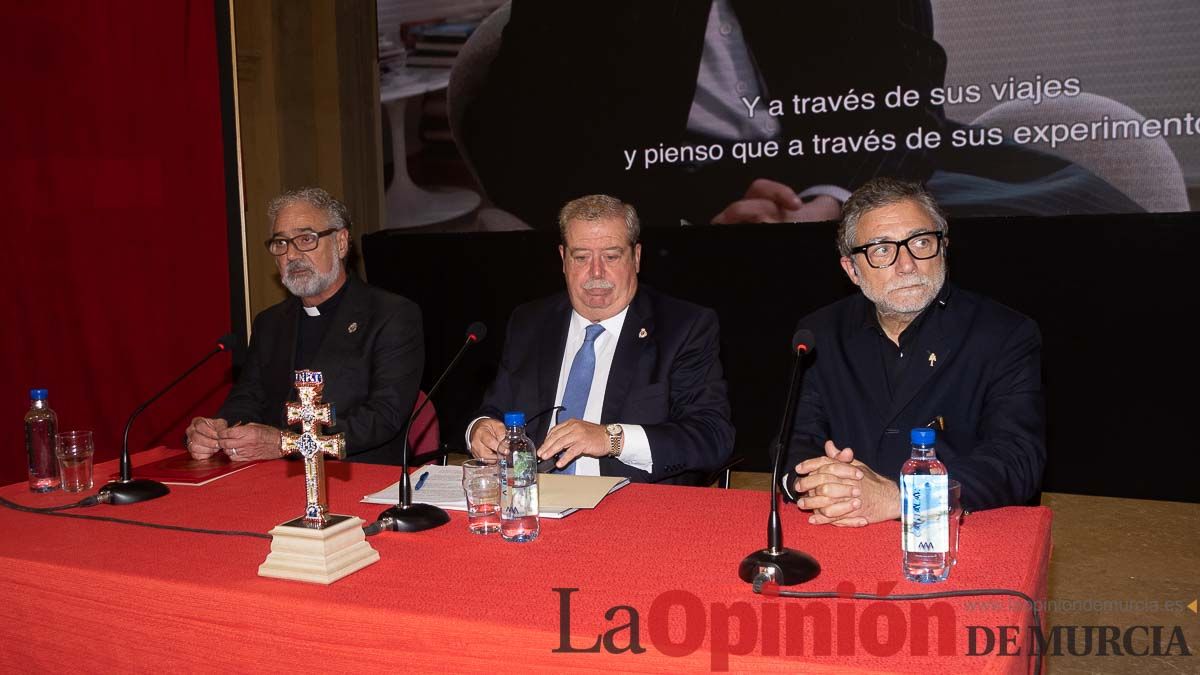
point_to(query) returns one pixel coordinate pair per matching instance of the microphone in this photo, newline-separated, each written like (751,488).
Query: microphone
(406,516)
(126,490)
(777,564)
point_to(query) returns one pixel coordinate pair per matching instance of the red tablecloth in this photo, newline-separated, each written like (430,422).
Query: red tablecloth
(98,595)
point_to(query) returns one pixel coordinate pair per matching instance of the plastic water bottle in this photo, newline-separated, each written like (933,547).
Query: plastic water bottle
(41,430)
(518,482)
(925,512)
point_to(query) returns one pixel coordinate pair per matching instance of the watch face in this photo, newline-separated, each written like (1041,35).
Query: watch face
(614,429)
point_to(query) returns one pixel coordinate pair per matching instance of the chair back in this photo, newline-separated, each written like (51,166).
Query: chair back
(1144,169)
(424,436)
(470,70)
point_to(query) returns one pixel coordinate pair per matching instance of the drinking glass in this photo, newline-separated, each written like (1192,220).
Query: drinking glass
(74,453)
(481,482)
(956,517)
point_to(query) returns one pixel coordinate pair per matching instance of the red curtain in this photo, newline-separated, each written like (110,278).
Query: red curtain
(113,194)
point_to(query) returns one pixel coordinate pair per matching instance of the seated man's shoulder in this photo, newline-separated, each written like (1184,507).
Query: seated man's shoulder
(388,302)
(536,310)
(837,316)
(673,308)
(1000,317)
(274,312)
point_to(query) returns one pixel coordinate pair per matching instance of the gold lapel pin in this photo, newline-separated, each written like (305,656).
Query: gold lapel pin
(932,359)
(352,327)
(642,333)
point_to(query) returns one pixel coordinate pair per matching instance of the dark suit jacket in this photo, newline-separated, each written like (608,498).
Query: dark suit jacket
(670,382)
(986,384)
(372,372)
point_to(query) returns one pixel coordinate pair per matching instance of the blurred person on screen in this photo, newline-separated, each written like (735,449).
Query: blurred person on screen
(593,86)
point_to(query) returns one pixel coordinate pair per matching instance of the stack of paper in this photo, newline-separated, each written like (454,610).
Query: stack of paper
(558,495)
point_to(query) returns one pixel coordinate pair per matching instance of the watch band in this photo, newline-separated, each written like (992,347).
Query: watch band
(616,444)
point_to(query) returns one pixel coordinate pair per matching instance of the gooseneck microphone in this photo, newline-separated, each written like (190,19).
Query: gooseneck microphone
(406,516)
(775,563)
(126,490)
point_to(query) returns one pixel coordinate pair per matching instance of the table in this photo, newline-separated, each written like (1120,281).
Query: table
(105,595)
(409,205)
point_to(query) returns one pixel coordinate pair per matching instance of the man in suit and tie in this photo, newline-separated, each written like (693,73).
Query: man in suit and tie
(367,342)
(910,349)
(637,373)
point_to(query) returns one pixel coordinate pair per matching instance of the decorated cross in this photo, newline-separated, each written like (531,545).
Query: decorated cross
(311,445)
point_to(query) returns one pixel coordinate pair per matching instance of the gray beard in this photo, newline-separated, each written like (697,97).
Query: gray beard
(315,284)
(885,307)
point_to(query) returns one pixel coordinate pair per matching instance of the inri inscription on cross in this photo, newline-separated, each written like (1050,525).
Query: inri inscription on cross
(312,446)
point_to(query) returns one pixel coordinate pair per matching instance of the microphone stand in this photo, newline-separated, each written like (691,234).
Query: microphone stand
(126,489)
(406,516)
(783,566)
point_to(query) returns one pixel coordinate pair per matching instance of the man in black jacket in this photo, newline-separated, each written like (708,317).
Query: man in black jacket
(367,342)
(908,350)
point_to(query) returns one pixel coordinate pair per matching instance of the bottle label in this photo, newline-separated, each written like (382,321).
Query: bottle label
(524,464)
(925,513)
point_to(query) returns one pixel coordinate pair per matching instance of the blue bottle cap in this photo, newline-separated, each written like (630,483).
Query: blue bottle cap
(39,394)
(514,419)
(922,436)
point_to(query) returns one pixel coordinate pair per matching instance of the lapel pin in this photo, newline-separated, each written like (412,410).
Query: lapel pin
(354,326)
(932,359)
(642,333)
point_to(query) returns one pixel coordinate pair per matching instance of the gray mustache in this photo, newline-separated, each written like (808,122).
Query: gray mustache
(593,284)
(924,283)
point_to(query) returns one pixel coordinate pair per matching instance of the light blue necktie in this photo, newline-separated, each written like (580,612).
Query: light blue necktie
(579,381)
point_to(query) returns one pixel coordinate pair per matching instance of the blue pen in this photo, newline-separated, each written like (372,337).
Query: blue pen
(421,480)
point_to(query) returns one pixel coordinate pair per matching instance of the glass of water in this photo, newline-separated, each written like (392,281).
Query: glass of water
(956,518)
(74,452)
(481,482)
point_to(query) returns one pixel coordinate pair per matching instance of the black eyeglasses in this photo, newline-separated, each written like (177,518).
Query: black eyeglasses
(881,254)
(303,242)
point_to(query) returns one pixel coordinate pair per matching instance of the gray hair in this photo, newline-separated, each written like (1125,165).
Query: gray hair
(339,215)
(878,193)
(600,207)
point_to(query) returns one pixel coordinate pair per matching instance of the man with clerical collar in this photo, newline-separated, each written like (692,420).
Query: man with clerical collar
(367,342)
(910,351)
(636,373)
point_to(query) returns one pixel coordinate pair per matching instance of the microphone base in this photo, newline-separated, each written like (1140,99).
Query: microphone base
(787,567)
(132,491)
(413,518)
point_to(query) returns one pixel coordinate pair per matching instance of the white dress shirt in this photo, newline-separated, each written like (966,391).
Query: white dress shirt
(636,450)
(636,447)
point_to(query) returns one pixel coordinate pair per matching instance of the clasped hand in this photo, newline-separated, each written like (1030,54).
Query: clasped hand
(242,443)
(768,201)
(842,491)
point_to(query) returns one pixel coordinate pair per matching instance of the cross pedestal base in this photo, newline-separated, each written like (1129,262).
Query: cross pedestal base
(319,556)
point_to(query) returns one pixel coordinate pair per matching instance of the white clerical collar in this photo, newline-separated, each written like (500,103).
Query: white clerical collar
(311,311)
